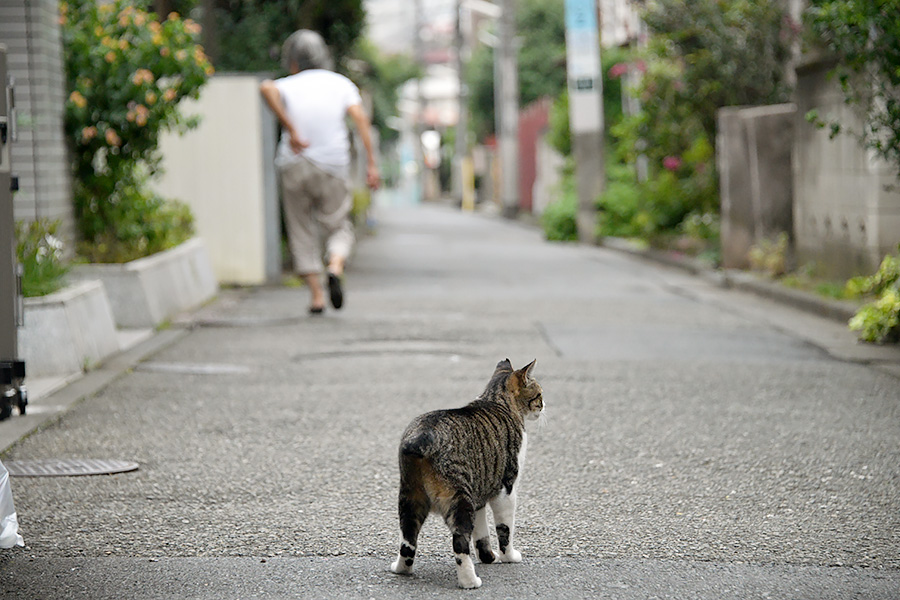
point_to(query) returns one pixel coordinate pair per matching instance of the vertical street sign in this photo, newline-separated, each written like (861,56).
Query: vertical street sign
(585,109)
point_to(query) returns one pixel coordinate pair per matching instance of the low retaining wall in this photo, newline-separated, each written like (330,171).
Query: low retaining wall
(66,331)
(755,177)
(146,292)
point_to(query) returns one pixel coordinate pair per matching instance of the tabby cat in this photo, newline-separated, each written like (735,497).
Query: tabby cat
(456,462)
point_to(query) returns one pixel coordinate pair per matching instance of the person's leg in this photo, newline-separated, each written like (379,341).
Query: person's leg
(333,214)
(302,230)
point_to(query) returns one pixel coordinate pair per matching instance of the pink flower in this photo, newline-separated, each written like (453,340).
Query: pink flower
(671,163)
(617,70)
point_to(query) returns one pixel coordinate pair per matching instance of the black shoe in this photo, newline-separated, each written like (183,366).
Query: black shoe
(335,291)
(316,310)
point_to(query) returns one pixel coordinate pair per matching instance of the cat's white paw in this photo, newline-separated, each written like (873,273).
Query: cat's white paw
(470,583)
(511,556)
(400,567)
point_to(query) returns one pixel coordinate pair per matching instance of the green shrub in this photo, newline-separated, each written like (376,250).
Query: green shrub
(40,252)
(559,218)
(878,321)
(770,256)
(681,189)
(126,73)
(145,224)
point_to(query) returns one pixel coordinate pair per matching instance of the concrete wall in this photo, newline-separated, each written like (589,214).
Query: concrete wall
(224,171)
(31,33)
(755,179)
(847,201)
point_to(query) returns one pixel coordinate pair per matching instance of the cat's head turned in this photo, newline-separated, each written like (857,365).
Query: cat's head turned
(524,389)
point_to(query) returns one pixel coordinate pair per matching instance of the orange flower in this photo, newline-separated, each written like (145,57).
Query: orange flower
(192,26)
(150,97)
(110,57)
(112,138)
(169,94)
(77,99)
(142,76)
(88,133)
(164,51)
(140,115)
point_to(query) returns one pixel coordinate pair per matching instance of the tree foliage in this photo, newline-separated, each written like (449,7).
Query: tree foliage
(541,30)
(729,52)
(382,76)
(702,55)
(866,38)
(247,34)
(250,32)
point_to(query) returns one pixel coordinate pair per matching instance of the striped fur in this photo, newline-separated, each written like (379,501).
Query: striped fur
(457,462)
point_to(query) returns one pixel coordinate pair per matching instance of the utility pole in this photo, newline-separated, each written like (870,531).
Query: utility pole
(419,49)
(462,167)
(508,74)
(585,110)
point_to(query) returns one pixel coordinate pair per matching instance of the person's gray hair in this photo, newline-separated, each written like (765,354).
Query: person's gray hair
(305,49)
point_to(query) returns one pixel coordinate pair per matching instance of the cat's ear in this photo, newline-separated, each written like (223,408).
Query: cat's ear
(526,370)
(503,366)
(519,378)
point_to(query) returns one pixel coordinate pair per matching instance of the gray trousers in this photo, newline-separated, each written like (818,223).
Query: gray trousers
(317,208)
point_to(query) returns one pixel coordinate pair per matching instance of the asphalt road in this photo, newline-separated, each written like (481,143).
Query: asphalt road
(699,442)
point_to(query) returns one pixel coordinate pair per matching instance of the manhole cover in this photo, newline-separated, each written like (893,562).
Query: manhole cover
(67,467)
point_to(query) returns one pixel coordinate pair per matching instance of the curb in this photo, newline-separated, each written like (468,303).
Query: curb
(45,410)
(835,310)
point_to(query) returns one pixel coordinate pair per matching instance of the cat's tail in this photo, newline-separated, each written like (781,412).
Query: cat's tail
(417,445)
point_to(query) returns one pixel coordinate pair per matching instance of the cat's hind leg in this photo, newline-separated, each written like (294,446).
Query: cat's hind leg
(504,509)
(461,521)
(482,535)
(412,514)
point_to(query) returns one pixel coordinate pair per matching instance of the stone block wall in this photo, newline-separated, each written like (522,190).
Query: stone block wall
(847,200)
(30,30)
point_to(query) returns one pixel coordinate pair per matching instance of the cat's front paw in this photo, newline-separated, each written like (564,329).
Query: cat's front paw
(470,583)
(400,566)
(511,556)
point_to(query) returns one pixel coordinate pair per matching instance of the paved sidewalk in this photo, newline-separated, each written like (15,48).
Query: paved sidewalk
(700,442)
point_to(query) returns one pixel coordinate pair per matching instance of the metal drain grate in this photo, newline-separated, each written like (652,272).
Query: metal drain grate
(248,321)
(194,368)
(68,467)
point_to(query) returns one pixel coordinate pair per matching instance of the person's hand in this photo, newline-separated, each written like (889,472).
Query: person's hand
(298,144)
(373,177)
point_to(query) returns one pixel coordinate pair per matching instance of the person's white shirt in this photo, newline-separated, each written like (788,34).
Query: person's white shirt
(316,102)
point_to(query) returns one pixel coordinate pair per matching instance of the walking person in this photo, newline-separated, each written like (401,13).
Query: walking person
(313,160)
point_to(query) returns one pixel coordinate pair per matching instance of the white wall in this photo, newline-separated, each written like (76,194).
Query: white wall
(224,171)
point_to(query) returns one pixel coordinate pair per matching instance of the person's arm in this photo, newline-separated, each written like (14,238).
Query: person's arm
(272,97)
(358,115)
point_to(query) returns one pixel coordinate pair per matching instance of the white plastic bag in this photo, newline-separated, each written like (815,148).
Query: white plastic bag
(9,524)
